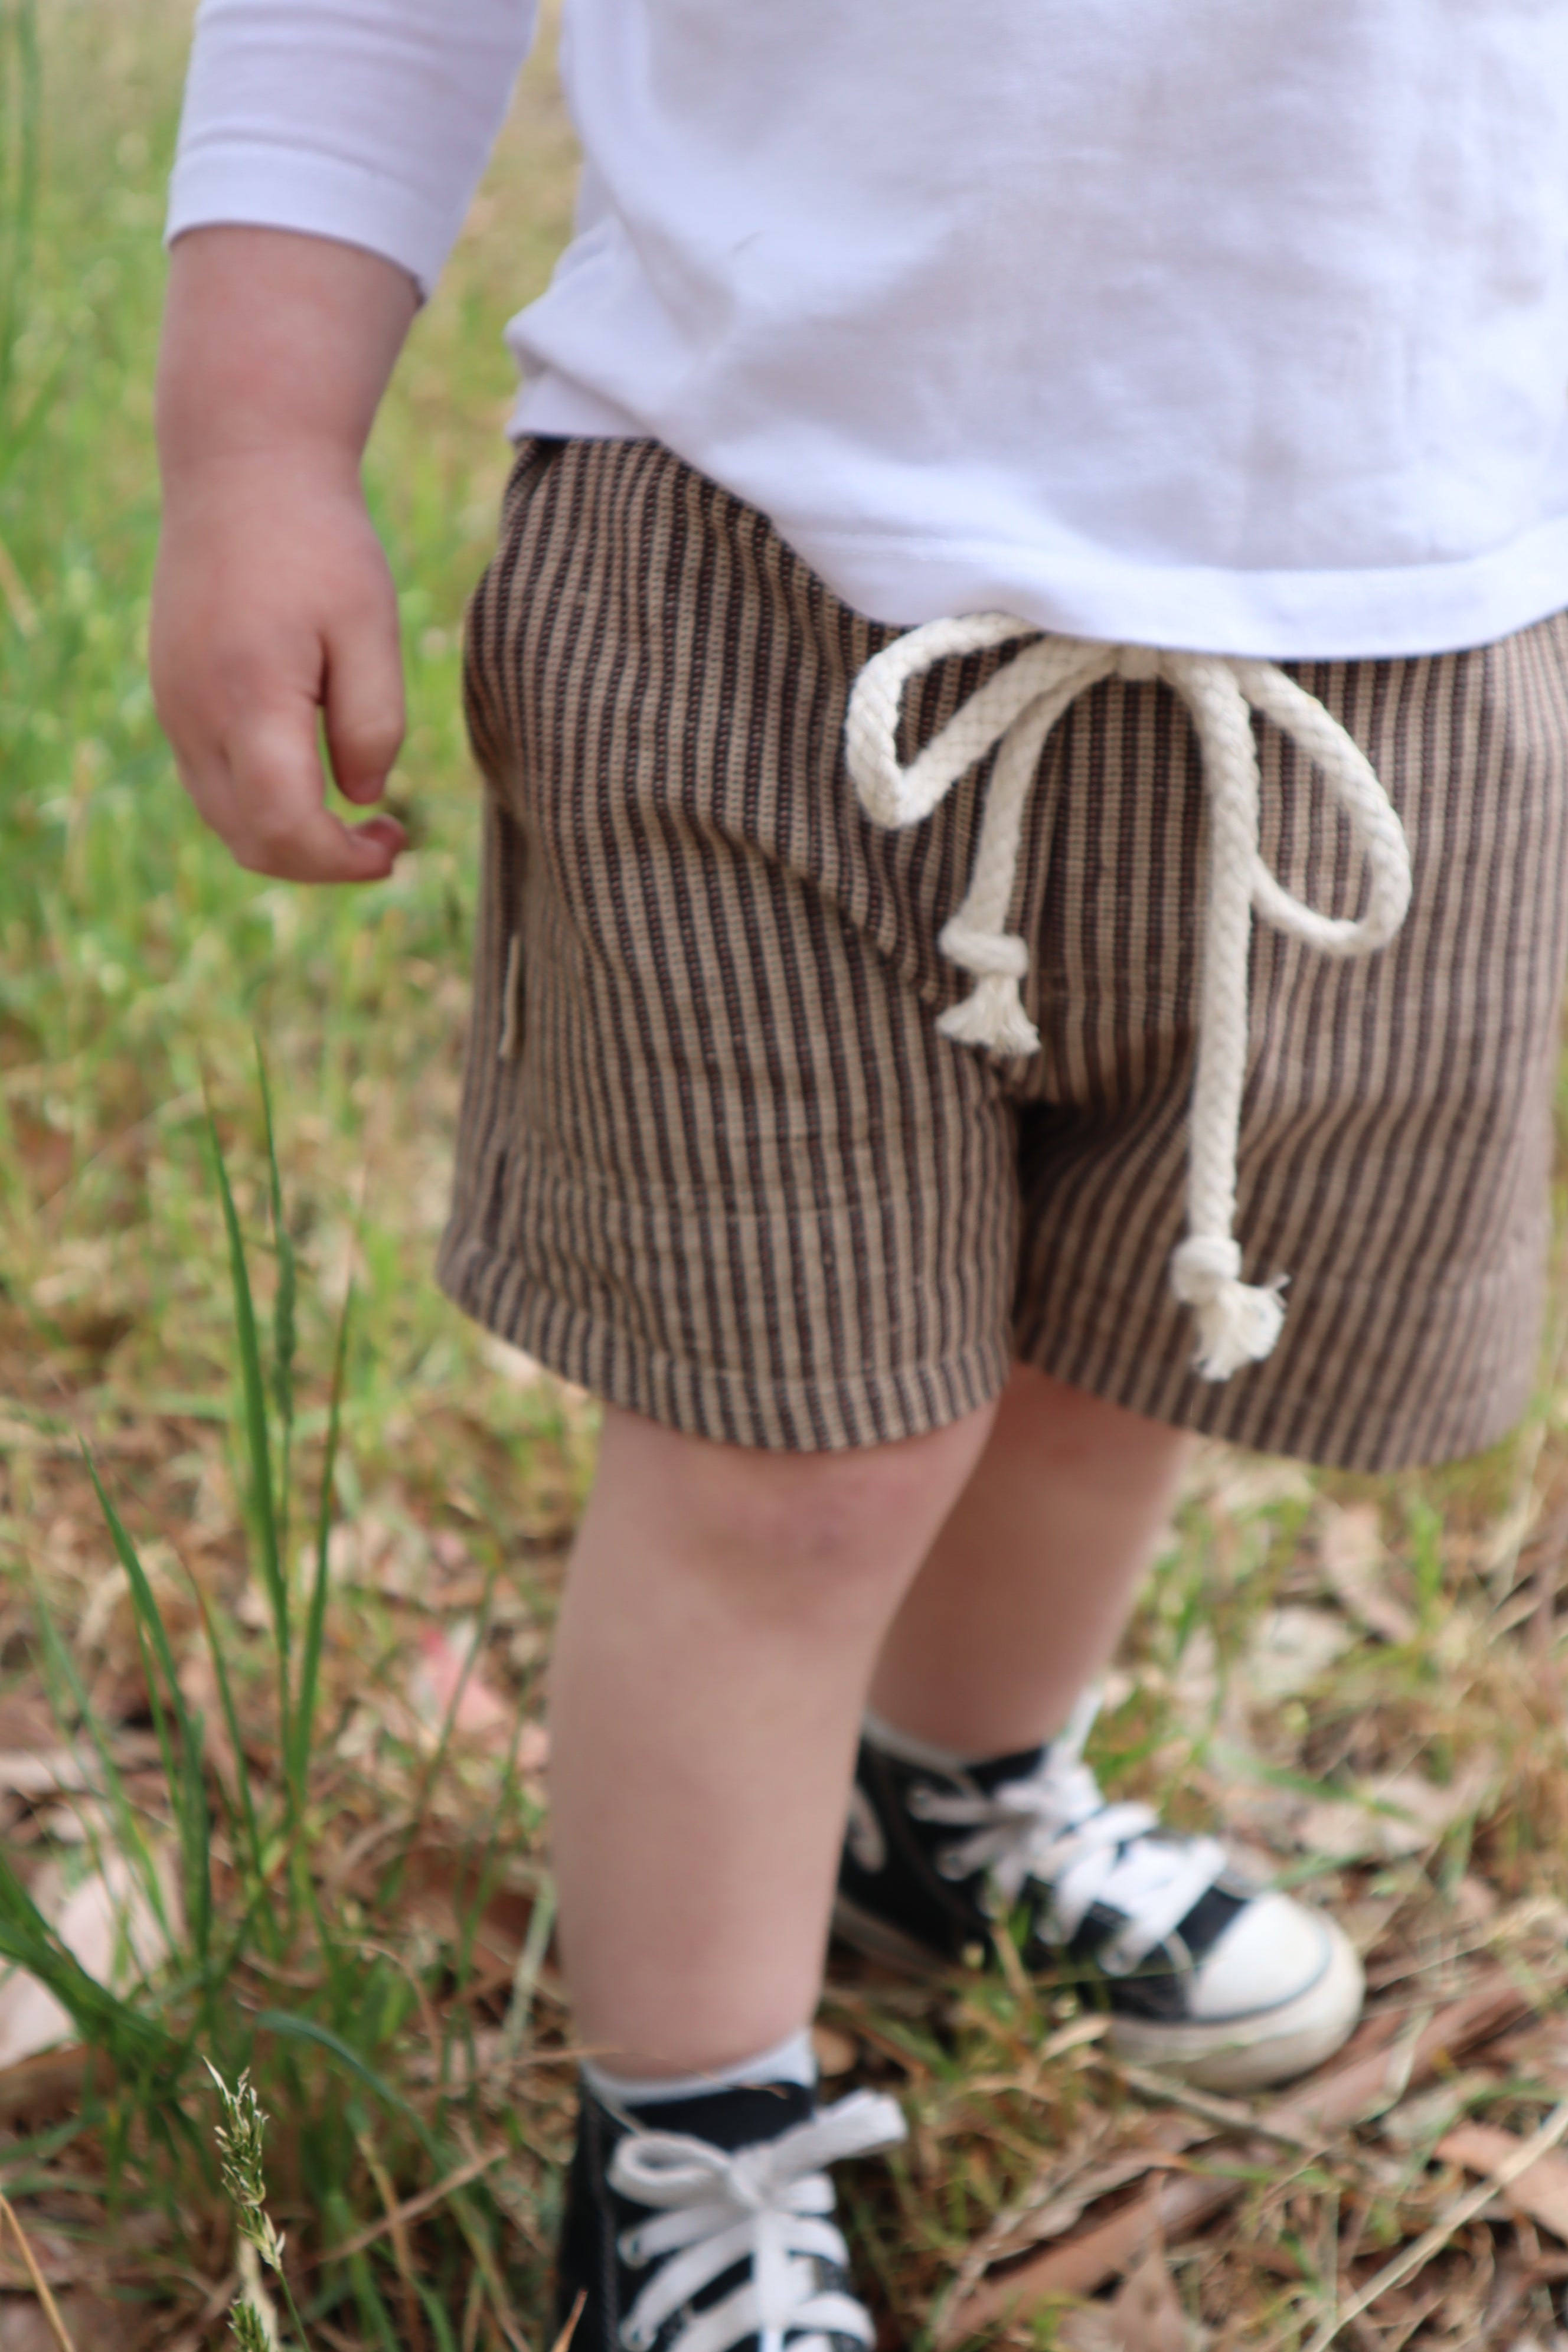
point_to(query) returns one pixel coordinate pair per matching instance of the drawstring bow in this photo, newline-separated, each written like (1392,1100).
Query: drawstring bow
(1012,714)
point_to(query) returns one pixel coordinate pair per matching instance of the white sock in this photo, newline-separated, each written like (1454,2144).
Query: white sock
(905,1748)
(924,1754)
(791,2060)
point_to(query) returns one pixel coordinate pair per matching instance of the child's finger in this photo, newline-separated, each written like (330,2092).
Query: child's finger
(271,812)
(362,701)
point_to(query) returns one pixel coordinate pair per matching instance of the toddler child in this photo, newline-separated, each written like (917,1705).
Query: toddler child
(942,424)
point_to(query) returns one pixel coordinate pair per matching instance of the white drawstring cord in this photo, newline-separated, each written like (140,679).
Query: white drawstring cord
(1012,714)
(765,2207)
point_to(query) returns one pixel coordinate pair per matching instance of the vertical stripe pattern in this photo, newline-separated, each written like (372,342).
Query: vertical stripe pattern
(726,1174)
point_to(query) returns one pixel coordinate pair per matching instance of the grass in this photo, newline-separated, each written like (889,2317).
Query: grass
(249,1642)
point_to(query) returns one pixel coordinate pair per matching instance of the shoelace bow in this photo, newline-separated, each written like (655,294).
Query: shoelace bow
(1055,1829)
(1012,714)
(763,2206)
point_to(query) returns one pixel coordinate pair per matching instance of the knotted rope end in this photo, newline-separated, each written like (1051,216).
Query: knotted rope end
(993,1013)
(992,1016)
(1238,1322)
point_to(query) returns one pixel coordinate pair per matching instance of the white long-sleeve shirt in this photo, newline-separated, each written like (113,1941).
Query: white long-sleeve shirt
(1240,328)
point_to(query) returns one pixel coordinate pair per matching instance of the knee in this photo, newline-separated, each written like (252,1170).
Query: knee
(799,1527)
(832,1513)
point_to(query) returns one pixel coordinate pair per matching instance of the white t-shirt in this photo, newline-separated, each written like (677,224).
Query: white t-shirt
(1236,328)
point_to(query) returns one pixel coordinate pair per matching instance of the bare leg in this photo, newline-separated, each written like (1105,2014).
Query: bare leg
(721,1618)
(1023,1595)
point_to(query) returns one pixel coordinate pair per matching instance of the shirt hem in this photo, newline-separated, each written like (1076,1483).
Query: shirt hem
(903,579)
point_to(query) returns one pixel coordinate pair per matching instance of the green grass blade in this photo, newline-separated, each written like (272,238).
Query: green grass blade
(375,2316)
(439,2326)
(231,1718)
(284,1330)
(305,2029)
(258,1443)
(104,2021)
(461,2204)
(291,2027)
(530,1966)
(258,1914)
(316,1616)
(187,1773)
(132,1844)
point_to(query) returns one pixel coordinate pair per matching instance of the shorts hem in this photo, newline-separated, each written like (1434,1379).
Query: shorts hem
(833,1414)
(1282,1428)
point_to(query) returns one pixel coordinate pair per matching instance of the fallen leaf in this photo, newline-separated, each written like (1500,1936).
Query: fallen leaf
(1291,1649)
(31,2019)
(26,1723)
(385,1554)
(43,2087)
(1241,1486)
(92,2324)
(1420,2121)
(1540,2190)
(438,1679)
(1538,2051)
(453,1900)
(41,1772)
(1476,1903)
(1393,1814)
(1355,1566)
(60,2261)
(1197,1683)
(107,1923)
(1145,2316)
(1344,2093)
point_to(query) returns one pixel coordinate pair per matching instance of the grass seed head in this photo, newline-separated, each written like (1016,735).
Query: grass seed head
(240,2138)
(248,2328)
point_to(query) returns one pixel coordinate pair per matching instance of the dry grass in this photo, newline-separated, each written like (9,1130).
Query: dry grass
(1365,1683)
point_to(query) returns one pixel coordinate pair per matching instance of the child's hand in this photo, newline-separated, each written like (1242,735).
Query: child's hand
(273,609)
(273,606)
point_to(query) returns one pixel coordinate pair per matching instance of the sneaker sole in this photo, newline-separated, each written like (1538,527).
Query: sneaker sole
(1249,2054)
(1236,2054)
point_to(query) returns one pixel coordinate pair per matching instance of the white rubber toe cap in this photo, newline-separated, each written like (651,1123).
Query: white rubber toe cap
(1279,1993)
(1274,1951)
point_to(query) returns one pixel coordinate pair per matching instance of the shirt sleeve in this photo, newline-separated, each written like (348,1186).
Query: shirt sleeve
(367,121)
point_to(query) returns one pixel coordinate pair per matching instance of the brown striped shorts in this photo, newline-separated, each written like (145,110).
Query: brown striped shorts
(717,1165)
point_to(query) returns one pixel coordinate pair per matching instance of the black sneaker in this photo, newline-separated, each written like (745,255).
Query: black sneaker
(700,2224)
(1201,1972)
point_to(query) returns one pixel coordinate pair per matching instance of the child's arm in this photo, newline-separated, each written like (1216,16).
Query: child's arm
(342,140)
(272,602)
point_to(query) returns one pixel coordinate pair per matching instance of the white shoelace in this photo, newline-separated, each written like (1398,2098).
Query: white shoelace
(1012,713)
(1055,1828)
(763,2206)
